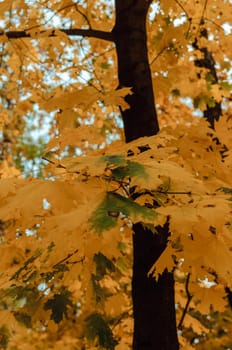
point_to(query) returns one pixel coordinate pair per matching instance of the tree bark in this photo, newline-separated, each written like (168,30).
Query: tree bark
(133,68)
(153,301)
(89,33)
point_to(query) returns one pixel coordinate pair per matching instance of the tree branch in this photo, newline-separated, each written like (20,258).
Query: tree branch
(189,298)
(91,33)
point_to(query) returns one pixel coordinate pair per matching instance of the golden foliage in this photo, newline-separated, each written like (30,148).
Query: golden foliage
(65,240)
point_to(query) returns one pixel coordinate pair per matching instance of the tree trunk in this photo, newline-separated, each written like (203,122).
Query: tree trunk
(133,68)
(153,301)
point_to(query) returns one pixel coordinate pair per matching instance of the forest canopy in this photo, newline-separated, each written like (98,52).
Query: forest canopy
(72,190)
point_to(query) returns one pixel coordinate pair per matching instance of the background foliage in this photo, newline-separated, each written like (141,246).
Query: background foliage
(71,189)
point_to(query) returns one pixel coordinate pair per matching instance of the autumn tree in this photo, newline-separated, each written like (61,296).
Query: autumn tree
(76,67)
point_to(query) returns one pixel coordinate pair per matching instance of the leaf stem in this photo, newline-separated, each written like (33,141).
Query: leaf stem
(189,298)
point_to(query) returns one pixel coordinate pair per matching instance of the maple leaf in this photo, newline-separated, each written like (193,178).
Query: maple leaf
(116,97)
(5,336)
(106,214)
(97,327)
(58,305)
(102,265)
(206,297)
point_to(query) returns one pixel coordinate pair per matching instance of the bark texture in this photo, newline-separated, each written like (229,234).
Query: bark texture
(133,68)
(153,301)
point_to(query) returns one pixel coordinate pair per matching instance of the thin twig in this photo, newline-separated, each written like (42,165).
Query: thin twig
(66,259)
(172,192)
(204,9)
(157,56)
(53,163)
(52,16)
(189,298)
(182,7)
(84,16)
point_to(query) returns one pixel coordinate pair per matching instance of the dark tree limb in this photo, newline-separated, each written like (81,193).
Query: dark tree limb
(211,114)
(91,33)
